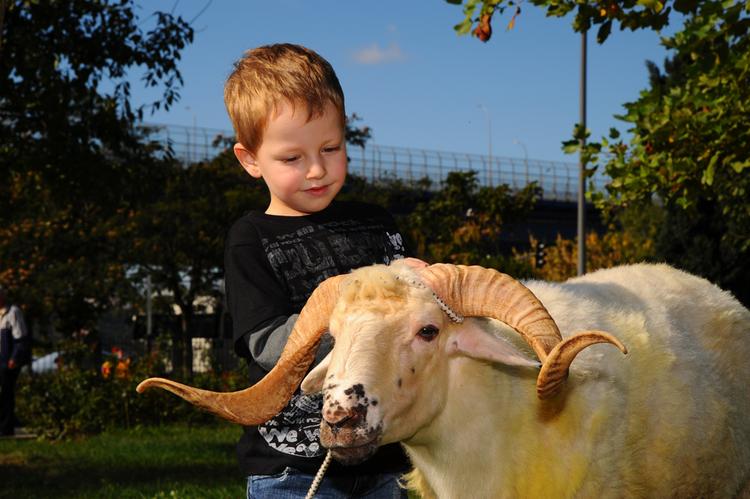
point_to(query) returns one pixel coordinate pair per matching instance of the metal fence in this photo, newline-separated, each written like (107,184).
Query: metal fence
(558,179)
(191,144)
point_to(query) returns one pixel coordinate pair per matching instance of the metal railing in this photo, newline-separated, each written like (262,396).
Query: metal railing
(191,144)
(558,179)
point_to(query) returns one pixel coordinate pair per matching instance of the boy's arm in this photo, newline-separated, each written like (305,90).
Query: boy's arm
(258,303)
(255,297)
(266,343)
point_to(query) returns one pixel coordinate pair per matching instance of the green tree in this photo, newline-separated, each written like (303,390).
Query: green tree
(587,14)
(178,240)
(689,149)
(72,160)
(462,222)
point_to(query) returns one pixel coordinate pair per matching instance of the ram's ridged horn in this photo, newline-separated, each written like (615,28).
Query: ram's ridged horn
(480,292)
(555,369)
(265,399)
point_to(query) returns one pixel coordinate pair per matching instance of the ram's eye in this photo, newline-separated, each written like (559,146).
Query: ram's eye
(428,333)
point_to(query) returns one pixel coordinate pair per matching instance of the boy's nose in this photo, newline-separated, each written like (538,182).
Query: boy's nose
(316,170)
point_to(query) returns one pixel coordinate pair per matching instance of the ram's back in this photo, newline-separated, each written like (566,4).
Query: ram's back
(678,404)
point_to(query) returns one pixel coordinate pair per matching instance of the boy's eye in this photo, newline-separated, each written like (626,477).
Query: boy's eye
(332,149)
(290,159)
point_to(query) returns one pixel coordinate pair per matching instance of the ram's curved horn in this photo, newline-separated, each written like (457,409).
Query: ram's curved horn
(480,292)
(260,402)
(555,369)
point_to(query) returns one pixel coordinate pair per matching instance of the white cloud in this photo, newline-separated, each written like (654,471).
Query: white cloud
(374,54)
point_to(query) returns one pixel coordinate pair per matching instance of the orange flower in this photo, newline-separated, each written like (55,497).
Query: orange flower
(123,368)
(106,369)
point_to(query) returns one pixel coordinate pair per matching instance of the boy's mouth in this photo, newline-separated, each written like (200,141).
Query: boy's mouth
(317,191)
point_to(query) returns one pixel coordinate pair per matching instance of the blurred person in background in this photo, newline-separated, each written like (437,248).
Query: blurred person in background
(15,351)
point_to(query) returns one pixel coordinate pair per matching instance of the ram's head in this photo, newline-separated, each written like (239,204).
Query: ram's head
(393,328)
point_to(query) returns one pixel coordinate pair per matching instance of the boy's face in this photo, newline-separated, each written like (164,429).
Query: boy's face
(302,162)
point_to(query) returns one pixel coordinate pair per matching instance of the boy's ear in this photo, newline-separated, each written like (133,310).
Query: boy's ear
(247,160)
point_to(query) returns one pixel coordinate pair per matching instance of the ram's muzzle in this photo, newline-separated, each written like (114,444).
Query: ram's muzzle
(351,426)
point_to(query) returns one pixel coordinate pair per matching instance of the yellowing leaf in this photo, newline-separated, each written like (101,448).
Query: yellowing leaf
(708,174)
(512,22)
(654,5)
(738,166)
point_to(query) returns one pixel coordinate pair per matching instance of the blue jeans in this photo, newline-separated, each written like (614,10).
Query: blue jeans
(293,484)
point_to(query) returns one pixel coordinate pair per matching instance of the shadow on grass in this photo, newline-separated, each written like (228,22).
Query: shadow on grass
(126,465)
(42,480)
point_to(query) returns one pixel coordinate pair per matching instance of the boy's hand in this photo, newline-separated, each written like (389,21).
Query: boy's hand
(415,263)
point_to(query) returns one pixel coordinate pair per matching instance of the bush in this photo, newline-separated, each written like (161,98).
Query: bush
(77,400)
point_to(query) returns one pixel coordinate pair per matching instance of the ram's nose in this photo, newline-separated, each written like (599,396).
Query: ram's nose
(339,417)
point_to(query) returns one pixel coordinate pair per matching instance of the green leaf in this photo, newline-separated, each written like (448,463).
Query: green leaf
(685,6)
(571,146)
(463,28)
(654,5)
(604,31)
(580,132)
(708,173)
(738,166)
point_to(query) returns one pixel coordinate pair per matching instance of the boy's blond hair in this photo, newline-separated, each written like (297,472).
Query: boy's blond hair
(269,75)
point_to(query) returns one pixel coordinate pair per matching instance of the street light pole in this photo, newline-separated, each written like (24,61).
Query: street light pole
(193,142)
(525,158)
(489,144)
(582,166)
(149,314)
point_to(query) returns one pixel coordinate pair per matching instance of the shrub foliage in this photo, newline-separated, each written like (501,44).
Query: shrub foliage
(79,398)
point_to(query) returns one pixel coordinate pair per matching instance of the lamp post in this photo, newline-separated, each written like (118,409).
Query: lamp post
(525,158)
(489,143)
(193,134)
(582,166)
(149,314)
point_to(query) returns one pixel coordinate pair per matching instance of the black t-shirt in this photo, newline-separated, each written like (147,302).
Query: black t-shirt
(272,265)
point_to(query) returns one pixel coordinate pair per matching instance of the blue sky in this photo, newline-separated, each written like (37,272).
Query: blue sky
(413,80)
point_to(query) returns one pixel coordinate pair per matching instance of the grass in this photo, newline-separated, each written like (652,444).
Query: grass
(165,462)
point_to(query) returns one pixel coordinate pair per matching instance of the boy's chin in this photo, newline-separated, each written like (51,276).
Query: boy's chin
(298,209)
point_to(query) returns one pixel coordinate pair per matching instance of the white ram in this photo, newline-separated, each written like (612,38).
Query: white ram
(482,414)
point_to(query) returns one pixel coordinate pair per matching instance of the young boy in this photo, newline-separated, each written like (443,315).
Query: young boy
(287,108)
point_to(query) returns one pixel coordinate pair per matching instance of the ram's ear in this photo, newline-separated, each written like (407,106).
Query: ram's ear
(313,382)
(472,340)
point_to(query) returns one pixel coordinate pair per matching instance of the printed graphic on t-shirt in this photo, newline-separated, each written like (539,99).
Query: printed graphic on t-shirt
(296,429)
(304,258)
